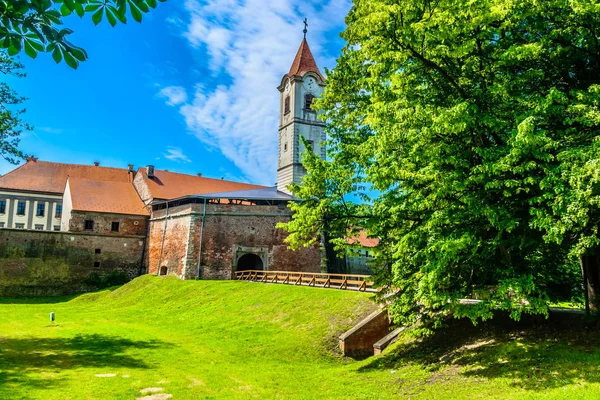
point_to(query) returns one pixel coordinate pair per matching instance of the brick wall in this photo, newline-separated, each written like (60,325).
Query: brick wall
(36,263)
(230,231)
(128,224)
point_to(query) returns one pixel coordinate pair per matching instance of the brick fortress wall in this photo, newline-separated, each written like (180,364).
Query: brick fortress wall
(230,231)
(39,263)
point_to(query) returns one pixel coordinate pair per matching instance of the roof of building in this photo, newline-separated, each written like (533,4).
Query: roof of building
(363,240)
(50,177)
(304,62)
(106,197)
(171,185)
(263,193)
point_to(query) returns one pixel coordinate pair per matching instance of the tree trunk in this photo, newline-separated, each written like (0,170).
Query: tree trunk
(590,268)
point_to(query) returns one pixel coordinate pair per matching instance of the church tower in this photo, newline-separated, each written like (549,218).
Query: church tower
(298,88)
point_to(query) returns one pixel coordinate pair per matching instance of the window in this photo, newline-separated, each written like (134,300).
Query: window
(58,211)
(285,147)
(308,99)
(97,264)
(56,228)
(41,208)
(89,225)
(20,226)
(114,227)
(2,206)
(1,224)
(98,251)
(21,208)
(286,108)
(39,227)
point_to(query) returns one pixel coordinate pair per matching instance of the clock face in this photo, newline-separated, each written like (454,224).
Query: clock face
(310,84)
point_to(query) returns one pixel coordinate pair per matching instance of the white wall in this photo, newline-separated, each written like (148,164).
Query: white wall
(31,200)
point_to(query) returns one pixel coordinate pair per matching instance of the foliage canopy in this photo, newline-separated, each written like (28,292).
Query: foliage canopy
(476,125)
(35,26)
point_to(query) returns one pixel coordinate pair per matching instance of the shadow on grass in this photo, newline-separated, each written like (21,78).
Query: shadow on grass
(532,355)
(51,300)
(30,363)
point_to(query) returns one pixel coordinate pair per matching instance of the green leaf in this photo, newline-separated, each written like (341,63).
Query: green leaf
(13,51)
(29,50)
(57,55)
(135,12)
(71,61)
(151,3)
(110,16)
(79,53)
(97,16)
(65,11)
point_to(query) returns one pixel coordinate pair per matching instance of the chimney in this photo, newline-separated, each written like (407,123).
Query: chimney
(96,163)
(31,158)
(150,171)
(199,174)
(129,167)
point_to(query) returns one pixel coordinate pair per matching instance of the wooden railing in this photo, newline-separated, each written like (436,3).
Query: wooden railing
(362,283)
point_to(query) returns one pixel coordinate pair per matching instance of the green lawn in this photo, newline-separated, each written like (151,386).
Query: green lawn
(216,339)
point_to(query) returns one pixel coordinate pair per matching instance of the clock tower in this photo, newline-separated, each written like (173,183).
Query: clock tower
(298,88)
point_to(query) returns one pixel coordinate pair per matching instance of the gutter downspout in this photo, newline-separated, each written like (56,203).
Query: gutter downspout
(200,248)
(162,244)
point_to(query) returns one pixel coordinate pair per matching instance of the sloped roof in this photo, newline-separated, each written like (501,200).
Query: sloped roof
(51,177)
(106,197)
(171,185)
(263,193)
(363,240)
(304,62)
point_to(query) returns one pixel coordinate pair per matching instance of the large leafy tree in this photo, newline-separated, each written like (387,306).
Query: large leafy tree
(35,26)
(476,123)
(11,111)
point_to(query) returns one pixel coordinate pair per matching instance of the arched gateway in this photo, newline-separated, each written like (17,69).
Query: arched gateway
(250,262)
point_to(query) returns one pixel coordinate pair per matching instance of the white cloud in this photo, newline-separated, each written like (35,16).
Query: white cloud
(176,154)
(175,95)
(250,46)
(48,129)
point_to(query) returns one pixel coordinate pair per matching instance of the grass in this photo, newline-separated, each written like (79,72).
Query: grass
(216,339)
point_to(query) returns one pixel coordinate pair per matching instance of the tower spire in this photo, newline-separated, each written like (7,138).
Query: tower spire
(305,27)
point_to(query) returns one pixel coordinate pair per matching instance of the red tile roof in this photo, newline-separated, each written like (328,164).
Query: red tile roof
(304,62)
(363,240)
(106,197)
(51,177)
(171,185)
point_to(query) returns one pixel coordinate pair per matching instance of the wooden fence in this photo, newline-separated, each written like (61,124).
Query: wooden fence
(362,283)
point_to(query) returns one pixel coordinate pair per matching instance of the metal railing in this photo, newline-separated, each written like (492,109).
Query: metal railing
(361,283)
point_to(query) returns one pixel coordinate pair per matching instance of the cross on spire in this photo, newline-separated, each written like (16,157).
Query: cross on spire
(305,27)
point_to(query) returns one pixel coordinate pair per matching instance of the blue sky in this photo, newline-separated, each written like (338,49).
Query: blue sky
(191,89)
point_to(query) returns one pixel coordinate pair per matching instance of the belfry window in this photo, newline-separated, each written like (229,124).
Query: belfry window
(308,100)
(286,107)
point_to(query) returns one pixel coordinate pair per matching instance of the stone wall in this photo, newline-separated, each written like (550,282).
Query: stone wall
(41,263)
(128,224)
(230,231)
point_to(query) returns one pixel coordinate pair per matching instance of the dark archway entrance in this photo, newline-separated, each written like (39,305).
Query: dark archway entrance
(250,262)
(164,270)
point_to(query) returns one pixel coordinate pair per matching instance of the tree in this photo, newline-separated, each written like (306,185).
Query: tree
(11,123)
(33,26)
(477,124)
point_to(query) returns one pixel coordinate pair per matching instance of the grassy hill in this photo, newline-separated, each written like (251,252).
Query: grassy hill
(216,339)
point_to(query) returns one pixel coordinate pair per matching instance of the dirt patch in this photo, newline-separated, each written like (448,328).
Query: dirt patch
(156,397)
(151,390)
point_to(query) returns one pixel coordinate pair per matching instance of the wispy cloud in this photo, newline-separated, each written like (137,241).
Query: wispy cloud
(47,129)
(175,95)
(176,154)
(250,45)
